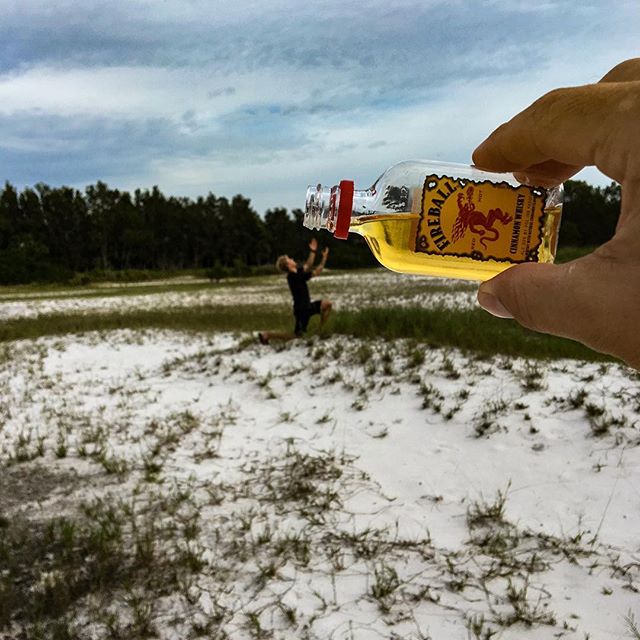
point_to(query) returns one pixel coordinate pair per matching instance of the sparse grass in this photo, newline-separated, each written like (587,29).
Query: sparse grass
(576,398)
(486,422)
(449,369)
(432,398)
(26,448)
(111,463)
(129,284)
(301,481)
(151,547)
(632,626)
(479,628)
(532,377)
(416,356)
(50,566)
(522,610)
(363,354)
(383,589)
(205,318)
(469,330)
(601,421)
(482,513)
(225,552)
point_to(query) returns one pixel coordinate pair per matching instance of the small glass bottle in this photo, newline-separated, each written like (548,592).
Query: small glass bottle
(443,219)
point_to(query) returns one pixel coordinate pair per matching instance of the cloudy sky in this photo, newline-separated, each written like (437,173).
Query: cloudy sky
(262,97)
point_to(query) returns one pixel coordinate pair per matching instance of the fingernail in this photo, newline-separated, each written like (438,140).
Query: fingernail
(522,178)
(490,303)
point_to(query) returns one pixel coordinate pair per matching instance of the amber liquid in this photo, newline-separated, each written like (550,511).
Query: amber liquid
(392,239)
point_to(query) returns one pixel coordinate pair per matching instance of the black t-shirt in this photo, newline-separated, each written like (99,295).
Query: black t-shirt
(299,289)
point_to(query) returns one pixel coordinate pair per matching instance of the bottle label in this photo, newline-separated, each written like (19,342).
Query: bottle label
(481,220)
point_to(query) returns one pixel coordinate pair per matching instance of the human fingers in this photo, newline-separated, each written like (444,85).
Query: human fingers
(590,125)
(547,174)
(626,71)
(592,300)
(552,172)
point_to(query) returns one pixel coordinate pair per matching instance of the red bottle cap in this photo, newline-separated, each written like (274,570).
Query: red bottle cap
(344,210)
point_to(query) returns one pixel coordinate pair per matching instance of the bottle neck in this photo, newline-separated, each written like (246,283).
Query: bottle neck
(317,207)
(363,203)
(334,208)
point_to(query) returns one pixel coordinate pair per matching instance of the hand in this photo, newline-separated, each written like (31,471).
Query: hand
(313,244)
(594,299)
(325,253)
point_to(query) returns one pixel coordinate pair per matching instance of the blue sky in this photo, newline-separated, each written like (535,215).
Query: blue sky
(262,97)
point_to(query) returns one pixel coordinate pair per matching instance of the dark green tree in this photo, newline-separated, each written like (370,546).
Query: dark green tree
(9,215)
(589,214)
(48,233)
(102,211)
(284,235)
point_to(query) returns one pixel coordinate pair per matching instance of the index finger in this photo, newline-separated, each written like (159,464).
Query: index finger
(626,71)
(569,128)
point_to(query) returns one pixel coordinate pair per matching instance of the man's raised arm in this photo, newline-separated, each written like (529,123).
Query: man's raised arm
(318,270)
(313,246)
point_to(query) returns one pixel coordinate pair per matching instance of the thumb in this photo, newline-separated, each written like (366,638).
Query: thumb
(578,300)
(522,292)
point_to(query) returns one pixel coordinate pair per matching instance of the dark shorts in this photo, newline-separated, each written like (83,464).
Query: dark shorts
(303,316)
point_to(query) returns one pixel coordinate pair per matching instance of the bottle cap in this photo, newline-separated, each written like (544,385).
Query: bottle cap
(344,210)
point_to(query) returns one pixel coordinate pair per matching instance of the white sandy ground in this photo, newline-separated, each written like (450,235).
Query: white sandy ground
(410,473)
(344,289)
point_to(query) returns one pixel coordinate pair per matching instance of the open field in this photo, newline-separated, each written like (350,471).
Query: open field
(192,484)
(370,303)
(347,289)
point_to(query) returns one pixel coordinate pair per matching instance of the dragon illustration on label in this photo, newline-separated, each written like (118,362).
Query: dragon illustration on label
(469,218)
(481,220)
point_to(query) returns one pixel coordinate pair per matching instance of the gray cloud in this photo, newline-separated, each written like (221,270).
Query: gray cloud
(245,82)
(404,36)
(35,147)
(65,151)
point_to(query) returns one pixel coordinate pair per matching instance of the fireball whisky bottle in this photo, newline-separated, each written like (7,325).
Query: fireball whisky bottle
(443,219)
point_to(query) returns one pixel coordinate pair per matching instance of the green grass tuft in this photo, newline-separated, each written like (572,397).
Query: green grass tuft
(471,330)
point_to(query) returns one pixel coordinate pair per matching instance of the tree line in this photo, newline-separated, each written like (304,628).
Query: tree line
(51,233)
